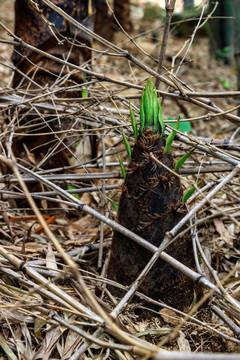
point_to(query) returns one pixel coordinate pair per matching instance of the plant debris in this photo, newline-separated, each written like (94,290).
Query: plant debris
(56,299)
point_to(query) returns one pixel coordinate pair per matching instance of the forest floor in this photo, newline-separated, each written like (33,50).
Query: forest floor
(27,332)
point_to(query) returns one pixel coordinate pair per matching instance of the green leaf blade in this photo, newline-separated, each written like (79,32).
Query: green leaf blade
(142,116)
(122,167)
(188,193)
(127,145)
(134,123)
(182,160)
(160,117)
(156,125)
(113,203)
(170,138)
(185,126)
(72,187)
(84,91)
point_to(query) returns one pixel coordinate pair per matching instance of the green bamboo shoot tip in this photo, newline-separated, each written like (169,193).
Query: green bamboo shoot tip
(151,110)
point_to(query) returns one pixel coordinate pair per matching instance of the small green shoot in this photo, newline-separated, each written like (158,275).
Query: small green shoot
(122,167)
(182,160)
(189,192)
(113,203)
(72,187)
(194,300)
(170,138)
(127,145)
(224,54)
(84,91)
(225,83)
(134,123)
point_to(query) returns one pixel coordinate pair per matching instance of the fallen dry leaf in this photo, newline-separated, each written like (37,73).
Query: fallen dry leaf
(223,231)
(50,259)
(169,316)
(183,343)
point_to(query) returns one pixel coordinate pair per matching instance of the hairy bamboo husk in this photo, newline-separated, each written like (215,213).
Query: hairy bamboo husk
(151,205)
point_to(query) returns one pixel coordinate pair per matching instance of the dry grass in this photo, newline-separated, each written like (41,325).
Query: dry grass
(54,303)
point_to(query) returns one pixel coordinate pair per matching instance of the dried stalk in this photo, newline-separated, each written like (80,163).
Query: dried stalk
(227,320)
(123,53)
(70,177)
(142,242)
(169,6)
(192,38)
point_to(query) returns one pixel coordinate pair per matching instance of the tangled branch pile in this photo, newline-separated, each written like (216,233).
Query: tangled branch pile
(57,220)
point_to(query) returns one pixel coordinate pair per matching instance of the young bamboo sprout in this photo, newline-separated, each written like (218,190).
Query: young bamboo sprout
(150,205)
